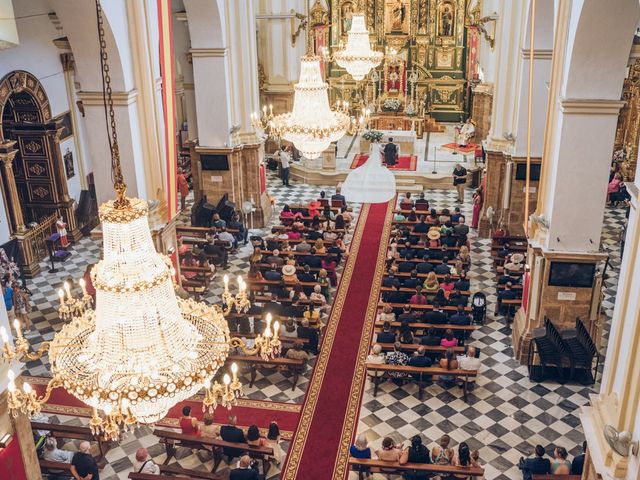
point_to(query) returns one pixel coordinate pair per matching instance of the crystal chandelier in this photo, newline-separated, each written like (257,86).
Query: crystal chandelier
(358,58)
(311,126)
(141,349)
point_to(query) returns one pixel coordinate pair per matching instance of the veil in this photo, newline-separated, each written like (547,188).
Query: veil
(371,182)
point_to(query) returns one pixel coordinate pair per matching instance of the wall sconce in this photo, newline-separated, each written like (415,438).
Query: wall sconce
(5,440)
(487,26)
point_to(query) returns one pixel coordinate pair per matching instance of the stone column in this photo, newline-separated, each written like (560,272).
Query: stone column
(7,154)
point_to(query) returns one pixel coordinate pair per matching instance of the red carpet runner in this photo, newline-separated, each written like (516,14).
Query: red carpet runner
(320,447)
(406,163)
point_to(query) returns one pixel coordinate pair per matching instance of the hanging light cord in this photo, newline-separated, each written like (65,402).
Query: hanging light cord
(109,114)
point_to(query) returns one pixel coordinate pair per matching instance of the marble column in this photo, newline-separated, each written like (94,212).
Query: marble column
(7,154)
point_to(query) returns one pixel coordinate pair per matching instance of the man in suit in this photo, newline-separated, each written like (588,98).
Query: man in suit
(396,296)
(338,197)
(275,259)
(460,317)
(461,230)
(578,462)
(431,339)
(422,204)
(443,268)
(506,294)
(407,250)
(537,465)
(273,274)
(407,265)
(455,216)
(419,359)
(423,226)
(312,260)
(231,433)
(386,335)
(303,247)
(311,334)
(406,315)
(390,280)
(435,316)
(413,281)
(245,471)
(424,267)
(463,282)
(306,275)
(272,306)
(390,153)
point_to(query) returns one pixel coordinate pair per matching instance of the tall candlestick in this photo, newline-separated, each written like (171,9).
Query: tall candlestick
(67,288)
(83,285)
(234,371)
(225,279)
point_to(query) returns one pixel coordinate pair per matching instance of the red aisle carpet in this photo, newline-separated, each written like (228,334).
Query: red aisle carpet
(249,412)
(454,147)
(406,163)
(329,416)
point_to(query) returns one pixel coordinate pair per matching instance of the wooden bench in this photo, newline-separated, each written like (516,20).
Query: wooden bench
(423,275)
(73,432)
(172,439)
(48,467)
(380,466)
(426,307)
(513,305)
(413,347)
(556,477)
(296,367)
(464,293)
(167,472)
(421,371)
(283,340)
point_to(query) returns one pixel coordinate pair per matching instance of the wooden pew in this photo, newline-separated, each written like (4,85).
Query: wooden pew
(172,439)
(73,432)
(427,326)
(556,477)
(296,367)
(376,466)
(423,275)
(465,293)
(413,347)
(167,472)
(429,371)
(422,308)
(283,340)
(48,467)
(513,305)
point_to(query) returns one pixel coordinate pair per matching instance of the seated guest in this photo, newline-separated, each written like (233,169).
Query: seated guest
(218,222)
(286,212)
(435,316)
(440,297)
(376,356)
(272,306)
(405,335)
(425,267)
(461,230)
(397,357)
(188,424)
(302,247)
(399,217)
(254,438)
(422,227)
(336,250)
(578,462)
(245,471)
(54,454)
(306,275)
(316,232)
(406,315)
(344,211)
(448,240)
(387,314)
(413,281)
(416,453)
(144,463)
(538,465)
(441,454)
(460,317)
(318,297)
(469,362)
(396,296)
(449,340)
(420,359)
(443,268)
(236,224)
(311,334)
(339,223)
(189,261)
(275,258)
(455,216)
(466,458)
(431,339)
(504,250)
(273,274)
(514,263)
(456,298)
(360,449)
(462,283)
(391,280)
(273,441)
(207,429)
(296,295)
(389,451)
(447,284)
(289,329)
(294,233)
(83,465)
(418,298)
(434,238)
(330,264)
(412,217)
(431,285)
(506,278)
(506,294)
(225,236)
(319,246)
(433,216)
(560,465)
(338,197)
(464,258)
(406,265)
(289,274)
(407,250)
(297,353)
(386,335)
(421,203)
(231,433)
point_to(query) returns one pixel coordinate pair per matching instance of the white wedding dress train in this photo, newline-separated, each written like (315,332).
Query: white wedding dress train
(371,182)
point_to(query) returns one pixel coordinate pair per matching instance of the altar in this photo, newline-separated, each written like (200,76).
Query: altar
(405,139)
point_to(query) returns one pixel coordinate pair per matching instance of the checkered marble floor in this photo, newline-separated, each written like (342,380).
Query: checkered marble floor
(507,415)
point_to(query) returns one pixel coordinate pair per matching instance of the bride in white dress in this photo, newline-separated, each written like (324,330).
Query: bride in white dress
(371,182)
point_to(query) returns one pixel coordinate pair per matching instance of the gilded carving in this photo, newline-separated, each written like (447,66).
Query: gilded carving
(21,81)
(37,169)
(40,192)
(33,146)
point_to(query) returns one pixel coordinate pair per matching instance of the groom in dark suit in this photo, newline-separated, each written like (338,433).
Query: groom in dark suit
(390,153)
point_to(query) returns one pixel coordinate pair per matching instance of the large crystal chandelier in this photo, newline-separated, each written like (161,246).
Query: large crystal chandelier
(311,126)
(358,58)
(142,349)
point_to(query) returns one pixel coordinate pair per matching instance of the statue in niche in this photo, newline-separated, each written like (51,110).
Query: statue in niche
(396,17)
(393,79)
(346,14)
(446,20)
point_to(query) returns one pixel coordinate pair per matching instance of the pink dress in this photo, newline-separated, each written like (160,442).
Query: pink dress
(477,206)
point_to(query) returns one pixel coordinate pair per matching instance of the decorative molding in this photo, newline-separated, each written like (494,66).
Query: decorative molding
(538,54)
(208,52)
(181,16)
(119,98)
(572,106)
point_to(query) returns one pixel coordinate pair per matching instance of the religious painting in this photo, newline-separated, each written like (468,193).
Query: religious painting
(68,164)
(65,123)
(347,10)
(446,19)
(396,17)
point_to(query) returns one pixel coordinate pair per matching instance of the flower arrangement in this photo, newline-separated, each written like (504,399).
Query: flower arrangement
(372,135)
(410,110)
(392,104)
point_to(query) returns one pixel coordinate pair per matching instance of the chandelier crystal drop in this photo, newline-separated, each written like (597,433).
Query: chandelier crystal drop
(311,126)
(358,58)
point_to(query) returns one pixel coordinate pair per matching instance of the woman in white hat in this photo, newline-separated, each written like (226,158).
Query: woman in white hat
(289,274)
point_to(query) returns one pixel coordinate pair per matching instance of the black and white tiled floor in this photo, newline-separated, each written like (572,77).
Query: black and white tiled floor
(507,414)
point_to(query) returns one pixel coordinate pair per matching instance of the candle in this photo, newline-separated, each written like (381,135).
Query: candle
(276,330)
(4,335)
(225,279)
(264,109)
(61,295)
(16,326)
(226,381)
(83,285)
(27,388)
(270,109)
(67,288)
(234,371)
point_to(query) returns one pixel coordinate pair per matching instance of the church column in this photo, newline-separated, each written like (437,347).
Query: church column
(7,154)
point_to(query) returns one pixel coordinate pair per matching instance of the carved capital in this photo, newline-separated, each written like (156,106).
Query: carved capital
(8,152)
(68,62)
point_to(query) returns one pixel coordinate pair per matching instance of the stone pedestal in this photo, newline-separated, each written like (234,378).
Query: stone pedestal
(561,304)
(481,109)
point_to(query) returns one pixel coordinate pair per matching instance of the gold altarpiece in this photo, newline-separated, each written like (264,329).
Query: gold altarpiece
(625,146)
(425,55)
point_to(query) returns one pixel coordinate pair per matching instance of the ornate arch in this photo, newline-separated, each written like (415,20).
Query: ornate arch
(20,81)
